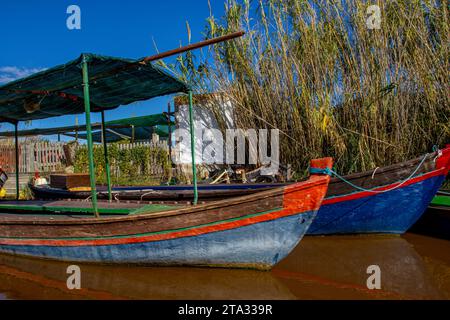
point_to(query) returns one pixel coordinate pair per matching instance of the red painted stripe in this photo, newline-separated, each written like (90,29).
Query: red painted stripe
(363,194)
(155,237)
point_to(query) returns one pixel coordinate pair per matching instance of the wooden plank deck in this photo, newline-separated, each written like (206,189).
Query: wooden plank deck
(64,207)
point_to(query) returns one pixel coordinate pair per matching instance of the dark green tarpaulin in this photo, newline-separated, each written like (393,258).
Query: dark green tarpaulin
(59,91)
(117,134)
(159,119)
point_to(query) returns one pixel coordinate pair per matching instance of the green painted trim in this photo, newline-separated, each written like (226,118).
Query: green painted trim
(192,132)
(87,108)
(441,201)
(156,232)
(124,211)
(150,208)
(155,208)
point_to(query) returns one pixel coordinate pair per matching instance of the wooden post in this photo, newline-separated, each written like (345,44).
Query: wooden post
(87,108)
(16,139)
(105,152)
(194,169)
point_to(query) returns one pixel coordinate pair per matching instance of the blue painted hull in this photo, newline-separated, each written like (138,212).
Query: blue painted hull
(259,245)
(390,212)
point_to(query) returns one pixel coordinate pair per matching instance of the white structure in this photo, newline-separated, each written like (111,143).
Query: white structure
(204,120)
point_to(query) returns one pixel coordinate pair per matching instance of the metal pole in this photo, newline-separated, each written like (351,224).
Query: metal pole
(194,169)
(87,108)
(105,151)
(16,139)
(170,135)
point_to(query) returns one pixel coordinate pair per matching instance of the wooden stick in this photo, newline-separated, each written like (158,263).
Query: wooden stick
(193,46)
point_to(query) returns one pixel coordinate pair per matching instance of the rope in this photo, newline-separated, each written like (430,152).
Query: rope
(330,172)
(327,171)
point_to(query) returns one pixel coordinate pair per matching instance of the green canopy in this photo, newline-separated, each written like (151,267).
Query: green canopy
(159,119)
(117,134)
(59,91)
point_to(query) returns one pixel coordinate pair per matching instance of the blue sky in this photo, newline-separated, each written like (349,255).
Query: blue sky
(34,35)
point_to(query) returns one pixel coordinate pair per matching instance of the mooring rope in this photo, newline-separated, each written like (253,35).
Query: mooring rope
(331,172)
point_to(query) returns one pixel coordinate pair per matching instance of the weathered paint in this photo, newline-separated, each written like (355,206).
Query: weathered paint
(394,211)
(441,200)
(252,240)
(259,246)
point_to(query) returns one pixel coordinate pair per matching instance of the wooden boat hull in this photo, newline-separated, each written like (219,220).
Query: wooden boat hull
(253,231)
(436,220)
(206,192)
(396,206)
(258,246)
(391,212)
(441,200)
(346,210)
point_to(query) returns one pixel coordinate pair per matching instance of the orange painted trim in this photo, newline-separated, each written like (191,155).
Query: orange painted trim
(298,198)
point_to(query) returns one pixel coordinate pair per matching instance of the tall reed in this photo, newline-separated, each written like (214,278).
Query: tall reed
(333,86)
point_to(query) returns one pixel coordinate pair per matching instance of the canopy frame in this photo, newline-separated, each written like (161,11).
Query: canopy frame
(87,110)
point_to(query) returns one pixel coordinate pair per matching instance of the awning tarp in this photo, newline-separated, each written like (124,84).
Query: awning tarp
(159,119)
(117,134)
(59,90)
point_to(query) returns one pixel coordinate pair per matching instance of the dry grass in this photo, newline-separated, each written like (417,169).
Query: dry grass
(332,86)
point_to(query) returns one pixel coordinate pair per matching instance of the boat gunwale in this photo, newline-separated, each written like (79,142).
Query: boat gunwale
(387,169)
(313,181)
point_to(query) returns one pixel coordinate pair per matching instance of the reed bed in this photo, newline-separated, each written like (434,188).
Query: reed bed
(331,85)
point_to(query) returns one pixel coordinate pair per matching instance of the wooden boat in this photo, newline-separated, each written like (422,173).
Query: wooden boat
(436,220)
(441,200)
(206,192)
(395,197)
(391,204)
(253,231)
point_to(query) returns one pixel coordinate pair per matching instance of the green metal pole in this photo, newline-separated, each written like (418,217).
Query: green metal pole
(194,170)
(105,151)
(87,108)
(16,139)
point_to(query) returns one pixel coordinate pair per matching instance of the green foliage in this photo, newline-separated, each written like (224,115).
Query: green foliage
(137,165)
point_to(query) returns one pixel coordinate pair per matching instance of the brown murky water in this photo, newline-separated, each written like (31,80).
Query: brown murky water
(334,267)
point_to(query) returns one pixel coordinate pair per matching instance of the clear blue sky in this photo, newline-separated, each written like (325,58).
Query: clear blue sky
(34,35)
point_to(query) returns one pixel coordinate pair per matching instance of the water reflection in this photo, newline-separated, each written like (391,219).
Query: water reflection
(412,267)
(336,268)
(23,278)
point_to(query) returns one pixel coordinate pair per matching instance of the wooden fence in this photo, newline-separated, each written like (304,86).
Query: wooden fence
(43,156)
(34,156)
